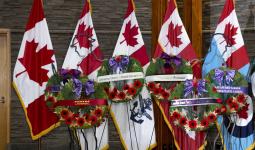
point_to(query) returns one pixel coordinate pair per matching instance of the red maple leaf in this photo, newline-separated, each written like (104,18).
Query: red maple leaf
(84,35)
(129,35)
(229,32)
(33,62)
(173,33)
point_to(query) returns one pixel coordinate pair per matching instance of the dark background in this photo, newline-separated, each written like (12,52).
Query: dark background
(62,16)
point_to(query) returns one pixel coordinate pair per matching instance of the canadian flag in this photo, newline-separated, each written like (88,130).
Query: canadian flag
(227,48)
(136,132)
(173,40)
(33,68)
(84,54)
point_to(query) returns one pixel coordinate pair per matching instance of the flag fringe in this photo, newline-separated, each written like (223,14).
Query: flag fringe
(171,129)
(251,147)
(121,138)
(42,133)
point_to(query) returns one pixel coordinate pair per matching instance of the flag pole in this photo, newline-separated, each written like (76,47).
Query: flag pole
(39,144)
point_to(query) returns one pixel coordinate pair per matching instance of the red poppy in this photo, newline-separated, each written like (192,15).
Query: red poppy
(75,116)
(229,100)
(205,122)
(234,106)
(176,115)
(98,112)
(165,95)
(156,91)
(183,121)
(80,121)
(118,58)
(217,111)
(51,99)
(214,89)
(68,120)
(137,83)
(93,119)
(126,87)
(223,109)
(211,117)
(132,91)
(112,95)
(192,124)
(219,100)
(86,116)
(64,113)
(115,90)
(151,86)
(243,112)
(241,98)
(121,95)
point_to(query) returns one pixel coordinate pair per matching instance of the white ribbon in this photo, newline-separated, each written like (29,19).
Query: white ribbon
(119,77)
(172,77)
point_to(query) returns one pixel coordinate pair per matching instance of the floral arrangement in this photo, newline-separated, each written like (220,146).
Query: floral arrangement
(122,90)
(173,67)
(233,89)
(195,105)
(78,101)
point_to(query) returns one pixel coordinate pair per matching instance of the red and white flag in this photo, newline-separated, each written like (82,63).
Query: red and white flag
(135,132)
(33,68)
(85,55)
(173,40)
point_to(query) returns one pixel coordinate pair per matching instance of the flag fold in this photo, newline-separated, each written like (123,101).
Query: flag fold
(227,48)
(85,55)
(173,40)
(34,66)
(135,131)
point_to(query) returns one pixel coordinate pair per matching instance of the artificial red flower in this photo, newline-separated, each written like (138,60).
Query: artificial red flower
(121,95)
(234,106)
(51,99)
(112,95)
(132,91)
(176,115)
(211,117)
(219,100)
(75,116)
(86,116)
(115,90)
(156,91)
(205,122)
(118,58)
(126,87)
(223,109)
(183,121)
(93,119)
(80,121)
(192,124)
(243,113)
(241,98)
(64,113)
(165,95)
(217,110)
(214,89)
(98,112)
(229,100)
(68,120)
(137,83)
(151,86)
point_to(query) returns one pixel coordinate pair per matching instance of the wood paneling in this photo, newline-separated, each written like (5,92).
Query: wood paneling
(5,91)
(193,23)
